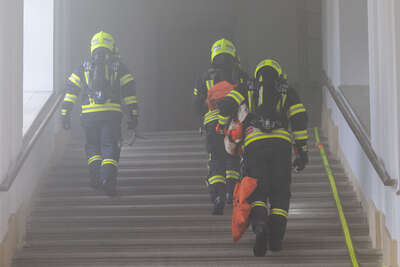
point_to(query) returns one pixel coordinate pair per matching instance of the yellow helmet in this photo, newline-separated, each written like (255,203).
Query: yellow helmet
(270,63)
(102,39)
(222,46)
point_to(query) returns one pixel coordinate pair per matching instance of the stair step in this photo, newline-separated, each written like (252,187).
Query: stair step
(195,163)
(122,222)
(158,208)
(126,181)
(291,242)
(171,199)
(199,172)
(198,184)
(332,228)
(161,216)
(78,159)
(188,254)
(181,189)
(182,263)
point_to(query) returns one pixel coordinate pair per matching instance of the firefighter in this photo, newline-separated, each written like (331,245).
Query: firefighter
(223,169)
(106,87)
(277,117)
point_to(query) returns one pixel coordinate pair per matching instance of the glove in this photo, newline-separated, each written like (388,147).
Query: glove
(202,130)
(301,159)
(132,124)
(66,122)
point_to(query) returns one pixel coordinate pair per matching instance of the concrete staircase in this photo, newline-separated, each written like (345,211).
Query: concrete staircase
(162,215)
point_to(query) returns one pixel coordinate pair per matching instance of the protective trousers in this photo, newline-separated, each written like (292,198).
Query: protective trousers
(102,148)
(269,160)
(223,169)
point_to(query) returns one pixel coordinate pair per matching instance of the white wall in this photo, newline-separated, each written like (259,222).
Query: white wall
(23,188)
(331,40)
(384,50)
(354,42)
(11,14)
(344,31)
(372,189)
(384,70)
(38,45)
(345,39)
(11,108)
(345,42)
(38,57)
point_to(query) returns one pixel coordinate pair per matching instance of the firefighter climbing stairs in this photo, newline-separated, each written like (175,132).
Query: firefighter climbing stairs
(161,216)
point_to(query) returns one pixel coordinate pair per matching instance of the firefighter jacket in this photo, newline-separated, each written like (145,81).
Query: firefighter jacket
(123,94)
(214,75)
(292,115)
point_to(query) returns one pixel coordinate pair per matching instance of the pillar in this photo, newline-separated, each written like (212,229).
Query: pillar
(11,61)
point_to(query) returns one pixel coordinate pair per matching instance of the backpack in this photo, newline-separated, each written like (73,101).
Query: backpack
(101,74)
(272,113)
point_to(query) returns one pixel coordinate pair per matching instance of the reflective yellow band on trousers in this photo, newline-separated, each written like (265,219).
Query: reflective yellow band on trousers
(232,174)
(259,135)
(94,158)
(98,107)
(259,204)
(216,179)
(130,100)
(300,135)
(280,212)
(109,161)
(339,207)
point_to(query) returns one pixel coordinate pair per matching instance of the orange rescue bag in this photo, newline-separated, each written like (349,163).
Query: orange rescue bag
(242,208)
(217,92)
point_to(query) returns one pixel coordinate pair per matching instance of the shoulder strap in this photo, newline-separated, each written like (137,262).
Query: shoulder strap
(87,67)
(236,75)
(212,73)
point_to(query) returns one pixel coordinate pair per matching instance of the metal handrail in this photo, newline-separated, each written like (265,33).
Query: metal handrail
(362,137)
(31,137)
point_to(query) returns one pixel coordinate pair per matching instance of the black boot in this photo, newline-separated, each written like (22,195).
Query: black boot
(229,198)
(95,182)
(278,229)
(260,246)
(94,174)
(219,205)
(109,187)
(275,244)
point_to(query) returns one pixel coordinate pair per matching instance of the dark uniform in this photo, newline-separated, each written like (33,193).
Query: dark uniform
(102,119)
(278,117)
(223,169)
